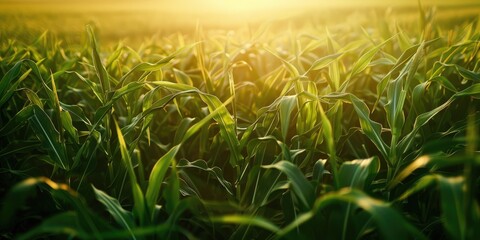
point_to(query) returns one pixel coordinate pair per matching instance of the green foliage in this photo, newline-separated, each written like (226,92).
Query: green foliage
(346,132)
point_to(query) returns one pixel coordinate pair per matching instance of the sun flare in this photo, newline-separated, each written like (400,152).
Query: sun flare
(248,5)
(234,11)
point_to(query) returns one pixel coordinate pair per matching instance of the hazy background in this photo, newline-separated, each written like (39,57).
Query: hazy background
(137,19)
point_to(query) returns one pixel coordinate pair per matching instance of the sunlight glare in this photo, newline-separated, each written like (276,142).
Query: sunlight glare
(222,11)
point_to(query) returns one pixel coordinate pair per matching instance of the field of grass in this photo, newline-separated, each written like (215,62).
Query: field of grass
(337,122)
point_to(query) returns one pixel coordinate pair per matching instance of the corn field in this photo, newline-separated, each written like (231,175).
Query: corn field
(309,130)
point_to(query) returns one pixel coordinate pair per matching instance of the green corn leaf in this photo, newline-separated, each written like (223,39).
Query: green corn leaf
(97,91)
(62,224)
(246,220)
(445,83)
(5,83)
(364,60)
(158,105)
(319,171)
(465,73)
(329,138)
(172,191)
(286,153)
(102,111)
(7,88)
(176,86)
(67,124)
(289,66)
(121,216)
(432,161)
(182,77)
(99,68)
(285,108)
(334,67)
(182,129)
(202,165)
(126,89)
(33,97)
(227,126)
(114,56)
(325,61)
(157,176)
(418,94)
(468,74)
(49,137)
(397,93)
(55,103)
(413,64)
(147,67)
(19,193)
(22,147)
(399,65)
(452,202)
(15,199)
(76,113)
(422,119)
(246,136)
(300,186)
(382,61)
(17,121)
(473,91)
(358,173)
(100,114)
(419,185)
(454,211)
(389,222)
(370,128)
(138,197)
(403,39)
(222,119)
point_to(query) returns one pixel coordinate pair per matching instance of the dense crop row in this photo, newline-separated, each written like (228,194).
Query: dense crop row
(343,132)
